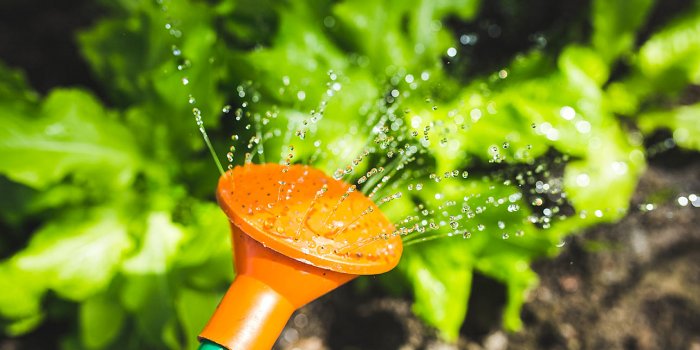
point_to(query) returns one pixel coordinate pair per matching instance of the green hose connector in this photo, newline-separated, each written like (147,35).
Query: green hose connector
(207,345)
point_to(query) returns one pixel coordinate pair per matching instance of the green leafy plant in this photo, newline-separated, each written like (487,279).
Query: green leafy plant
(113,206)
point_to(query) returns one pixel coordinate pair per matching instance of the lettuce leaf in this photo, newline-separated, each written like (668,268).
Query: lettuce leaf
(71,133)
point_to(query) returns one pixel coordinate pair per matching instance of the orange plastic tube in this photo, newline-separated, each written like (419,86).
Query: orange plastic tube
(267,289)
(290,251)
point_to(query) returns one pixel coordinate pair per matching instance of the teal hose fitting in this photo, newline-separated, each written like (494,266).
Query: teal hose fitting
(207,345)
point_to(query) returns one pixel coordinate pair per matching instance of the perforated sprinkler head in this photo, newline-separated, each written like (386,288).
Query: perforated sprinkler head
(297,234)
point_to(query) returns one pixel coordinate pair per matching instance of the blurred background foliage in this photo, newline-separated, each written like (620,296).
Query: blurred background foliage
(109,224)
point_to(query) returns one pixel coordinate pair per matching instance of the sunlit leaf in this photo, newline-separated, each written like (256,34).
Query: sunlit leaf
(101,319)
(21,296)
(78,256)
(72,135)
(441,285)
(672,55)
(159,246)
(194,308)
(683,121)
(615,24)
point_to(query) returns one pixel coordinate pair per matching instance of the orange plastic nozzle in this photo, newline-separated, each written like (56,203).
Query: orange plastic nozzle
(298,234)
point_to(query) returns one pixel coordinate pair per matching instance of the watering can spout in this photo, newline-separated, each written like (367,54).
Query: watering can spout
(297,235)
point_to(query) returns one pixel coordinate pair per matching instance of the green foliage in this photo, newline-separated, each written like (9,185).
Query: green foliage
(101,320)
(616,24)
(440,282)
(71,134)
(670,56)
(116,204)
(110,191)
(683,121)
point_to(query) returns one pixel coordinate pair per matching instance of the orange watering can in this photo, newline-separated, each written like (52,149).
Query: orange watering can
(297,234)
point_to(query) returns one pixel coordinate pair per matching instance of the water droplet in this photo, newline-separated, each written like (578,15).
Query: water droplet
(583,126)
(583,180)
(567,113)
(647,207)
(468,39)
(329,22)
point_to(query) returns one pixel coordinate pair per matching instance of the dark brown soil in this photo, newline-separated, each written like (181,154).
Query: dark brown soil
(631,285)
